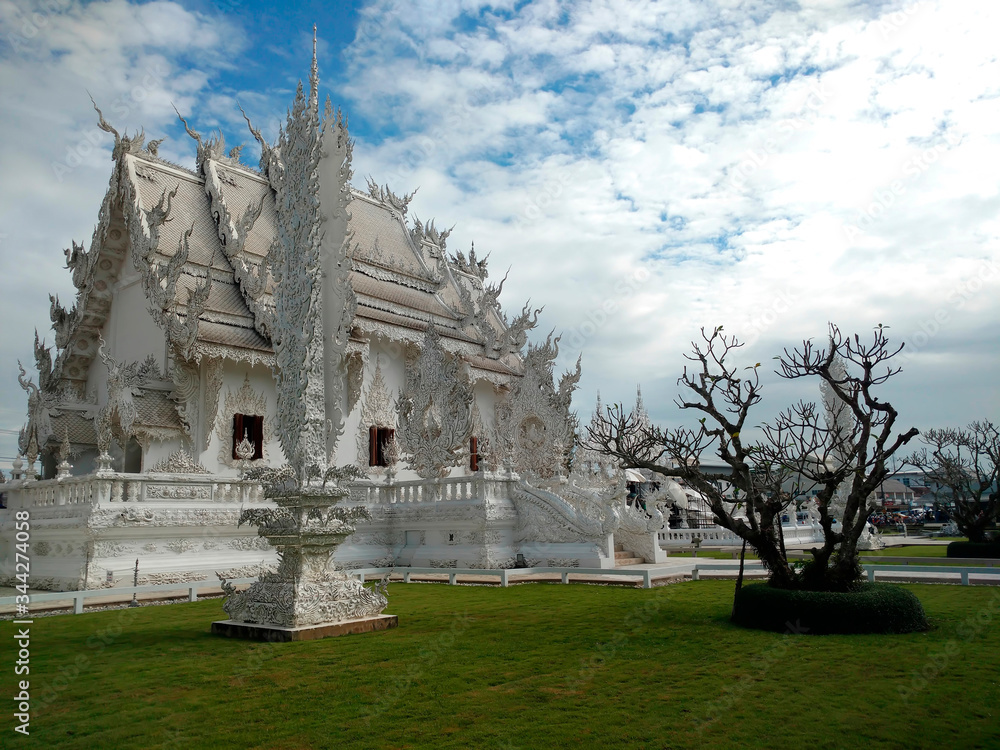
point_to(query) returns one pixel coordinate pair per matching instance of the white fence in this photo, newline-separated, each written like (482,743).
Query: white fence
(433,491)
(506,576)
(718,536)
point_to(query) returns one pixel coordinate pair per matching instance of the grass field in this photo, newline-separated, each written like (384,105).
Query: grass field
(936,554)
(911,550)
(531,666)
(715,554)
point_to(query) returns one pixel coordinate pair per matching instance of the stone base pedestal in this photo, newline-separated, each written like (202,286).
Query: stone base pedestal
(256,632)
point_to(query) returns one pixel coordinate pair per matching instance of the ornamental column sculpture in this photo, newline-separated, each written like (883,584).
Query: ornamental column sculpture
(307,597)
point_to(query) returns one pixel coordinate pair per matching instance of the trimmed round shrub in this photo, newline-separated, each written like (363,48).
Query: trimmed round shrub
(974,549)
(873,608)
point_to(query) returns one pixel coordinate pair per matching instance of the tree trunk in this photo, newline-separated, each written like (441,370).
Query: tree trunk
(781,537)
(739,579)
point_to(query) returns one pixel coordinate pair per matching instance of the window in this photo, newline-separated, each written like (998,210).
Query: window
(474,453)
(378,437)
(251,427)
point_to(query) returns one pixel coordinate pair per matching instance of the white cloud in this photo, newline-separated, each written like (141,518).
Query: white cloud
(135,60)
(750,188)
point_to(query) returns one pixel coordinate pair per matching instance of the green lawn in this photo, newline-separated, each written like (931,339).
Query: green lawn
(531,666)
(716,554)
(911,550)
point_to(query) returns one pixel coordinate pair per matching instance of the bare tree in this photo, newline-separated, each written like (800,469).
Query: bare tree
(844,457)
(964,464)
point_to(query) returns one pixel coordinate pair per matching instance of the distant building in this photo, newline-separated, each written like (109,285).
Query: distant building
(894,494)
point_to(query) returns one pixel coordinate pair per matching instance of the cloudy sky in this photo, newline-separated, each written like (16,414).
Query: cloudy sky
(644,168)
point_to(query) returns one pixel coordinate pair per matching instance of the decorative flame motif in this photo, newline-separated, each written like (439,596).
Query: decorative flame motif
(435,411)
(314,311)
(245,449)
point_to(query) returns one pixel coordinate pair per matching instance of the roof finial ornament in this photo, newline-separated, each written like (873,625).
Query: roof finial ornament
(193,133)
(123,143)
(211,148)
(101,122)
(265,148)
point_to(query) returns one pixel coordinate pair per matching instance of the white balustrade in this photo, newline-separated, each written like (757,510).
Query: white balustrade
(798,533)
(117,487)
(450,489)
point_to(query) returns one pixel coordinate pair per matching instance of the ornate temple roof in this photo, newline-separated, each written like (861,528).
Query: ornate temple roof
(200,241)
(208,244)
(390,274)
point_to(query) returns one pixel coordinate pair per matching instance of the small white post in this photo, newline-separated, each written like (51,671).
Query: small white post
(452,577)
(503,577)
(78,604)
(565,577)
(646,582)
(694,573)
(965,578)
(192,593)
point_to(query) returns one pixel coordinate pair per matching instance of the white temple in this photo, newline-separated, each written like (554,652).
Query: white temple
(166,382)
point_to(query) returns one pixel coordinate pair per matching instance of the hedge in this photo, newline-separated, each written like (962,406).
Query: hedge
(873,608)
(974,549)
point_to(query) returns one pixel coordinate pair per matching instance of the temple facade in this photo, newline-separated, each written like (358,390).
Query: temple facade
(219,305)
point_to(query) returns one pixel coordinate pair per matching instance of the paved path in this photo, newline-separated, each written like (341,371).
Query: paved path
(675,569)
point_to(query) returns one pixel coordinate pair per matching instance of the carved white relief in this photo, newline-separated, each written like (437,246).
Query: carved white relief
(313,297)
(543,516)
(356,361)
(435,411)
(197,517)
(488,457)
(213,385)
(246,543)
(186,393)
(534,426)
(377,410)
(120,416)
(179,321)
(137,515)
(205,350)
(40,409)
(180,546)
(245,400)
(112,549)
(177,492)
(179,462)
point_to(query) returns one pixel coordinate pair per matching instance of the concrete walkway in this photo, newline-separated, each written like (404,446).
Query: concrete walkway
(675,569)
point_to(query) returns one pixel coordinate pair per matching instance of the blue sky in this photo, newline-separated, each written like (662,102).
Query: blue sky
(644,168)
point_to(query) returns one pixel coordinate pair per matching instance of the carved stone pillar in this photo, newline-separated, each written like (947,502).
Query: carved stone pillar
(306,598)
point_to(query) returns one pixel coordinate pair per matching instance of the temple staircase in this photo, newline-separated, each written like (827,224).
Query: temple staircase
(624,557)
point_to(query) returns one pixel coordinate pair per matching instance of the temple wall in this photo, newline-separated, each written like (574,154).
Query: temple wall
(130,335)
(131,332)
(157,450)
(243,388)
